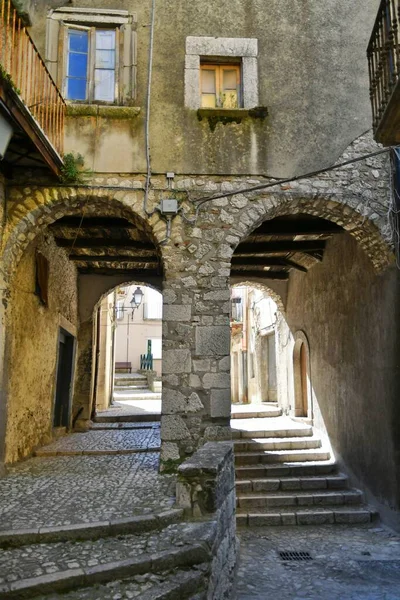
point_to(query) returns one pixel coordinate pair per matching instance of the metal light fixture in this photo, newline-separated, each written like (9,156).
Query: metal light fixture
(137,298)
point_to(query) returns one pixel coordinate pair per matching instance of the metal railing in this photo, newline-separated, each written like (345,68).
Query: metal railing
(146,362)
(22,65)
(384,57)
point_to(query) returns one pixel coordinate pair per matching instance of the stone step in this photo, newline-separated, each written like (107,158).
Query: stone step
(250,433)
(131,385)
(249,411)
(125,426)
(328,482)
(283,443)
(272,500)
(75,564)
(281,470)
(303,516)
(284,456)
(138,418)
(182,584)
(90,531)
(121,394)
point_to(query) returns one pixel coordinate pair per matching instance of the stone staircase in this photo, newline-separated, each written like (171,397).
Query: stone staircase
(154,557)
(286,475)
(133,386)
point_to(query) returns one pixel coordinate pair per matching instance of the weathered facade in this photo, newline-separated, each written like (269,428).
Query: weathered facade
(305,107)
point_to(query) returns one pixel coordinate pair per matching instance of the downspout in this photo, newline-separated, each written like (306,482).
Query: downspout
(147,117)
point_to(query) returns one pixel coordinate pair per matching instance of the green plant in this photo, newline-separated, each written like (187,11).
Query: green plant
(72,171)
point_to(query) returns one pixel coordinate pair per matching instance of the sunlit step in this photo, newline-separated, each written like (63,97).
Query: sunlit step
(285,456)
(286,443)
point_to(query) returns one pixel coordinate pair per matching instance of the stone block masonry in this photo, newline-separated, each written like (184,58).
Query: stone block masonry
(206,490)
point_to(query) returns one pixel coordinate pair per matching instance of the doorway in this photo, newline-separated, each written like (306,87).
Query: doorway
(301,368)
(65,360)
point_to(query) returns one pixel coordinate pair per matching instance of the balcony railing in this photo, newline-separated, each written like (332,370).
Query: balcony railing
(22,66)
(384,64)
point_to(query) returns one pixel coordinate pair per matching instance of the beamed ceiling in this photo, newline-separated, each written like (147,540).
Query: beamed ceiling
(107,246)
(114,245)
(291,242)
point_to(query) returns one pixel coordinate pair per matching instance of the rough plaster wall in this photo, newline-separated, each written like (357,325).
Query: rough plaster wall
(312,73)
(33,353)
(349,315)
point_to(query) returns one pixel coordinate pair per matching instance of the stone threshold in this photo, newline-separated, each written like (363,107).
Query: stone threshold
(77,578)
(90,531)
(43,453)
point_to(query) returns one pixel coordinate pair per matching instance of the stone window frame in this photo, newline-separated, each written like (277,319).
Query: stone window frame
(121,20)
(244,49)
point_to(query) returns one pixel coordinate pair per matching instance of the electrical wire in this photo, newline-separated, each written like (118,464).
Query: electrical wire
(263,186)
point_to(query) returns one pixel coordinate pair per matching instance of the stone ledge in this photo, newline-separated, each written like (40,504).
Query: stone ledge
(230,115)
(106,112)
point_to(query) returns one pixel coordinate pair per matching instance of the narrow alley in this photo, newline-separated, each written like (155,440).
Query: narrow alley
(83,518)
(199,300)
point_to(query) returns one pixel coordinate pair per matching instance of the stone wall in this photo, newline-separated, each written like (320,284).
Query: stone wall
(350,317)
(206,490)
(32,353)
(312,77)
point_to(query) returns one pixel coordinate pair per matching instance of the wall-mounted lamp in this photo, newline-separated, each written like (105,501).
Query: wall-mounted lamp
(137,298)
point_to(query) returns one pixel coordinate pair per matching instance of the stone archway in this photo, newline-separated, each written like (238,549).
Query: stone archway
(25,226)
(365,226)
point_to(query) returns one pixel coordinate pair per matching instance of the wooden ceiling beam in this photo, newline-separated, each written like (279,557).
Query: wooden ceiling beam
(103,243)
(75,222)
(283,275)
(264,249)
(130,273)
(297,227)
(243,262)
(116,258)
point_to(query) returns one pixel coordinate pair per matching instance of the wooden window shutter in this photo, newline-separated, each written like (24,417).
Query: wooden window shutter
(42,278)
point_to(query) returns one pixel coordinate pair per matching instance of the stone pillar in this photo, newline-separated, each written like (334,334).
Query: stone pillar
(196,358)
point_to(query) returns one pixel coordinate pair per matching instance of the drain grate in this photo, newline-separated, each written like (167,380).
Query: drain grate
(287,555)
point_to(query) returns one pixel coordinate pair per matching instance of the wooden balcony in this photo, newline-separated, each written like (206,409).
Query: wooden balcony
(29,99)
(384,73)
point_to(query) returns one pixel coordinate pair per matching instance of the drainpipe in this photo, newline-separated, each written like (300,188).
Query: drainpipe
(148,104)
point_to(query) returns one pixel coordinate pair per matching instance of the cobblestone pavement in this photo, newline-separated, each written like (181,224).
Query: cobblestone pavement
(41,559)
(349,563)
(81,489)
(104,441)
(132,407)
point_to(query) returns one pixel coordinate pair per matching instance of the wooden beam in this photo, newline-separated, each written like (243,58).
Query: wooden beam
(30,127)
(117,258)
(129,273)
(260,274)
(265,248)
(297,227)
(103,243)
(243,262)
(92,223)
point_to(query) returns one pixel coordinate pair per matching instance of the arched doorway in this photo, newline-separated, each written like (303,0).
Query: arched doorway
(302,379)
